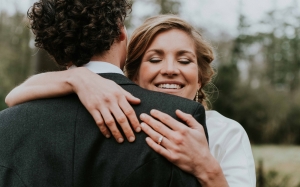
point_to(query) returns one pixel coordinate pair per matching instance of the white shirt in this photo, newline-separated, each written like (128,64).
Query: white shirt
(228,141)
(101,67)
(230,145)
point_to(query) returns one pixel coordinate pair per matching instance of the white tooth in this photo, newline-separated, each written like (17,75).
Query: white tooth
(169,86)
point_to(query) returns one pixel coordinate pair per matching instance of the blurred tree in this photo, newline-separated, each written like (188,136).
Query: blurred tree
(43,62)
(279,68)
(259,84)
(227,78)
(15,53)
(168,6)
(281,49)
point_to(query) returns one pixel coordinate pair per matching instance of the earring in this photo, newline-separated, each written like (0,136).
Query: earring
(197,96)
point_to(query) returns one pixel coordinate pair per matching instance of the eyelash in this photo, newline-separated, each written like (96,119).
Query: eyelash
(154,60)
(184,61)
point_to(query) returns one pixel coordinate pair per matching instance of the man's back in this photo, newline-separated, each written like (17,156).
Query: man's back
(55,142)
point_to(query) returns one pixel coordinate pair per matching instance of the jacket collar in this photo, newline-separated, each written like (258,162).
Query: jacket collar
(118,78)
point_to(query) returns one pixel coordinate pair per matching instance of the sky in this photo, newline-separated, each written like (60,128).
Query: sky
(224,12)
(214,15)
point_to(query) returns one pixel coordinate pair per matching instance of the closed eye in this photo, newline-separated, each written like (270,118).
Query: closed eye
(184,61)
(155,60)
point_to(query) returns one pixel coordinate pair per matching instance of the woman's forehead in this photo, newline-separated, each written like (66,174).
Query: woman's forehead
(173,39)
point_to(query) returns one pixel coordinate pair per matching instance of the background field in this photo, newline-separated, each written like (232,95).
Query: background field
(283,159)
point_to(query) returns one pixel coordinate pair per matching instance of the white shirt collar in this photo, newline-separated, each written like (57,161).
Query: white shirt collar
(100,67)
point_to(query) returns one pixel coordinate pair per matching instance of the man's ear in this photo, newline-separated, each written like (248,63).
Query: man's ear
(123,34)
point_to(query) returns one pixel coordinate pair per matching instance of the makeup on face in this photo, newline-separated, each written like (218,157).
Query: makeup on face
(169,65)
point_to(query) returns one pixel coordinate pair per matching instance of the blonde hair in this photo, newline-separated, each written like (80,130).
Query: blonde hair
(144,35)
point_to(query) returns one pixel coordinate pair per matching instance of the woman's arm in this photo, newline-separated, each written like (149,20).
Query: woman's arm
(186,147)
(44,85)
(91,89)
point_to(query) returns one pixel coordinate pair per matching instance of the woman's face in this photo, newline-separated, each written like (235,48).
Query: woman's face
(169,65)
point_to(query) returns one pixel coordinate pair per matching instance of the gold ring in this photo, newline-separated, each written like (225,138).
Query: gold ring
(160,139)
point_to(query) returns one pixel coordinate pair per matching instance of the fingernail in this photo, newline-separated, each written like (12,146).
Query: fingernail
(107,136)
(120,140)
(138,129)
(131,139)
(142,125)
(142,115)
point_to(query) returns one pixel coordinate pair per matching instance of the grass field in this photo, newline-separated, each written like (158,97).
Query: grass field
(283,159)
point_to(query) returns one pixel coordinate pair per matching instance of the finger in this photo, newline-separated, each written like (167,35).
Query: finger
(188,119)
(166,119)
(123,122)
(155,135)
(100,123)
(130,114)
(111,125)
(130,98)
(157,148)
(155,124)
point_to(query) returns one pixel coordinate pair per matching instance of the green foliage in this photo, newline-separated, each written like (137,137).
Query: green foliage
(290,129)
(264,97)
(226,81)
(15,53)
(272,178)
(168,6)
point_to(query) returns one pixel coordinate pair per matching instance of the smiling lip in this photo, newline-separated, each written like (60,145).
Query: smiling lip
(174,86)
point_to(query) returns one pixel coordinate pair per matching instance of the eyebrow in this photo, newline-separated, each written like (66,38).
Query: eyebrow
(159,51)
(181,52)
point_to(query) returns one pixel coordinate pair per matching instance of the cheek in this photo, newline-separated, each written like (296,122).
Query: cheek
(147,74)
(195,82)
(193,75)
(141,77)
(146,70)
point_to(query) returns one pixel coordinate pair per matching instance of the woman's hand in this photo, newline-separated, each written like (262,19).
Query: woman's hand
(106,101)
(186,147)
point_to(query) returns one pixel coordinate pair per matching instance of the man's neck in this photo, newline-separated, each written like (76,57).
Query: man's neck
(106,59)
(110,56)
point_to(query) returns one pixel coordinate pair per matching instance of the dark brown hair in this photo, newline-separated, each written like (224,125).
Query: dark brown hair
(75,30)
(144,35)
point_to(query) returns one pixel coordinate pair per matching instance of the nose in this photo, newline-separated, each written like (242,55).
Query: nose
(169,68)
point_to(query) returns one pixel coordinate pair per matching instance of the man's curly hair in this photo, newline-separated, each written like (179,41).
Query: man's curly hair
(75,30)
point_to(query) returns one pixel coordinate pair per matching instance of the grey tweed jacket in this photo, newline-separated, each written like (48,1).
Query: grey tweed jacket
(55,142)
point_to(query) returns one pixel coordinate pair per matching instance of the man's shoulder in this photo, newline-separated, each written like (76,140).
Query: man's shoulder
(151,97)
(42,106)
(164,102)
